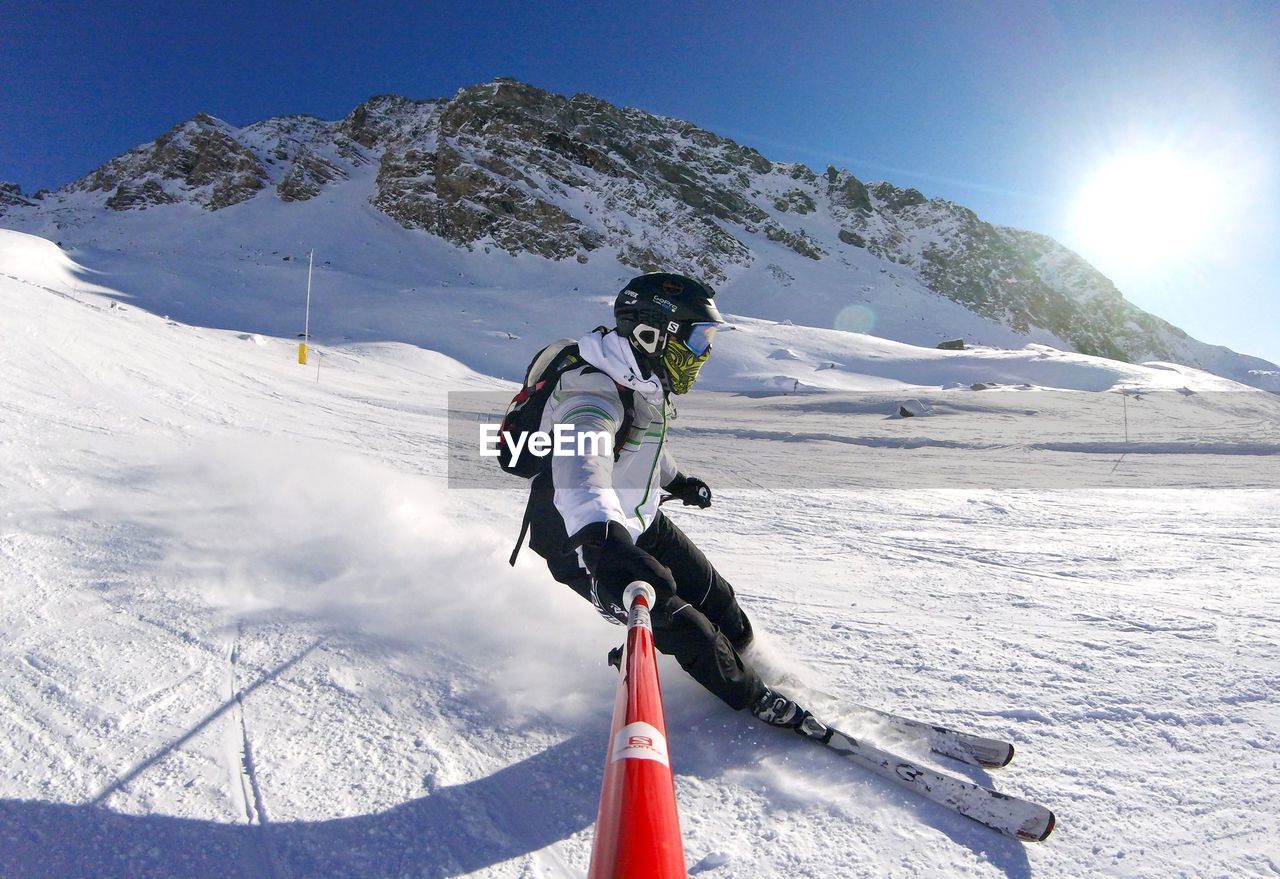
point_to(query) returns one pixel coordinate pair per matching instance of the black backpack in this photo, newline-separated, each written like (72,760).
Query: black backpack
(524,413)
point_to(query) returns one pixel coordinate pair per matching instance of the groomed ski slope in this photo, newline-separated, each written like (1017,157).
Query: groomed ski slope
(247,629)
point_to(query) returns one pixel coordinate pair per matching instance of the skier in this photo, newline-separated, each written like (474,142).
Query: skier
(595,517)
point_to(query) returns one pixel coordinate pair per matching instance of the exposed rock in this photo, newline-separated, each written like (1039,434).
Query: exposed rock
(801,172)
(996,273)
(131,196)
(444,194)
(795,201)
(895,199)
(11,196)
(308,173)
(800,241)
(848,236)
(581,153)
(389,118)
(779,274)
(848,191)
(504,159)
(199,158)
(312,153)
(643,259)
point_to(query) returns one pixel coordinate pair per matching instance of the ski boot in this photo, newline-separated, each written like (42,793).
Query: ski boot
(776,709)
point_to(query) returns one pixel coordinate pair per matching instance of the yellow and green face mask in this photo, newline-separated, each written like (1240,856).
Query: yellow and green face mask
(682,365)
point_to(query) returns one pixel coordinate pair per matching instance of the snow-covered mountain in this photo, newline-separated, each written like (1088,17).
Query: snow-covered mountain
(593,191)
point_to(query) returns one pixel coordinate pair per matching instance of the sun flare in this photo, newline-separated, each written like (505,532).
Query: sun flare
(1144,208)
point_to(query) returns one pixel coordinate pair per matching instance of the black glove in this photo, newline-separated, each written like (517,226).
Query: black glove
(615,561)
(690,489)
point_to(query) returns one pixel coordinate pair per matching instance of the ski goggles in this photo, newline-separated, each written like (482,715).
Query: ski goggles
(696,336)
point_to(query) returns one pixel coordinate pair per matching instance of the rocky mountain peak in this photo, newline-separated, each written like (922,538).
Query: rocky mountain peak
(504,164)
(11,196)
(199,160)
(384,119)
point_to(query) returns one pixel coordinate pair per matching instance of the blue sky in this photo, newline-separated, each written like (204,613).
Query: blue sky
(1010,108)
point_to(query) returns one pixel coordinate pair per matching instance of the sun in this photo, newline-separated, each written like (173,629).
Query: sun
(1147,208)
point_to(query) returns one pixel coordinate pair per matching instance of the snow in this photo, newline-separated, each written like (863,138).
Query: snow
(247,628)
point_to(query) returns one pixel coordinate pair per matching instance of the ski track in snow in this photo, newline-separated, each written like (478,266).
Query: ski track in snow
(247,631)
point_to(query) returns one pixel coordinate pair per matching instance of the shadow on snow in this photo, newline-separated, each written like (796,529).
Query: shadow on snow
(454,831)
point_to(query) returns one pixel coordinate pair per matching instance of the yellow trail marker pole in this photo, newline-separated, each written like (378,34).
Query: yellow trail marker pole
(306,321)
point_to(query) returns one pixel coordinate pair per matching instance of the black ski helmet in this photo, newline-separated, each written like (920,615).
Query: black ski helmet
(656,306)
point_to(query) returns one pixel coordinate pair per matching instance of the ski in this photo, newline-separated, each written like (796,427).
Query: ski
(963,746)
(1012,816)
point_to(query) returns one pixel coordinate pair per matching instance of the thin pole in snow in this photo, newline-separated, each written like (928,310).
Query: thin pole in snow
(1124,402)
(306,320)
(1124,395)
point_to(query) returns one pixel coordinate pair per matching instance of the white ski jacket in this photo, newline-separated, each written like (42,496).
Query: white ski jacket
(593,487)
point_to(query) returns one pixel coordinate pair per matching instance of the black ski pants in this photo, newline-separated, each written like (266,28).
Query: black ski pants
(701,625)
